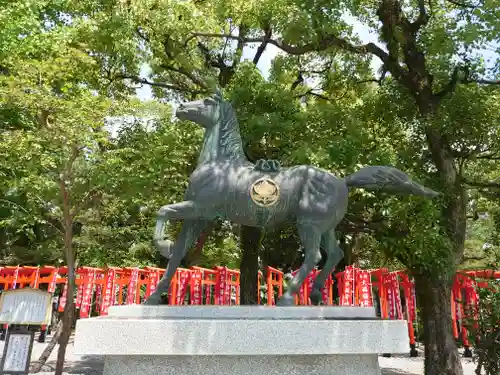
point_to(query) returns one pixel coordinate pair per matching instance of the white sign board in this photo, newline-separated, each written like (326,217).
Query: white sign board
(17,353)
(25,306)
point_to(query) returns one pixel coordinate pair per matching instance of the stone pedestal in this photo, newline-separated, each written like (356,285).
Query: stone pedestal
(240,340)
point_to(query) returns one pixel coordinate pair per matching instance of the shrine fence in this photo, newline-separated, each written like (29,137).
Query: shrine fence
(392,293)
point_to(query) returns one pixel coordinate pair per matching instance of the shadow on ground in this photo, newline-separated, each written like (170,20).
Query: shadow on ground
(95,367)
(391,371)
(88,366)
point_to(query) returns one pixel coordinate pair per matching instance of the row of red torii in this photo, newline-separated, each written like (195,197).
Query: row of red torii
(97,289)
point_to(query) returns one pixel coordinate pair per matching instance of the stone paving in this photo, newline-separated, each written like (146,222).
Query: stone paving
(76,365)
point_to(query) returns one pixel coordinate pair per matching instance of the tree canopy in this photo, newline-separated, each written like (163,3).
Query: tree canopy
(414,84)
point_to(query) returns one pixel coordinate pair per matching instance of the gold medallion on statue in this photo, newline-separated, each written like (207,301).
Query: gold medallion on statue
(265,192)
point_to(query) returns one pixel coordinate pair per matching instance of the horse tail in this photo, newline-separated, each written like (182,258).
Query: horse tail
(387,179)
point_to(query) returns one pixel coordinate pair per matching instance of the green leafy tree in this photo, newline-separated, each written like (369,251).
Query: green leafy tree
(53,132)
(485,331)
(433,98)
(191,47)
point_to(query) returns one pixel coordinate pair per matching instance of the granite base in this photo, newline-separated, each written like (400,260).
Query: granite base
(240,340)
(366,364)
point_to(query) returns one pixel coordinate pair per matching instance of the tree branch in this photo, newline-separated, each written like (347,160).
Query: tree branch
(466,79)
(242,30)
(91,197)
(391,64)
(225,71)
(474,257)
(262,47)
(371,80)
(186,73)
(493,156)
(462,5)
(312,93)
(354,224)
(452,84)
(482,184)
(422,19)
(160,84)
(209,59)
(68,168)
(18,206)
(322,44)
(482,81)
(42,118)
(142,35)
(298,81)
(180,70)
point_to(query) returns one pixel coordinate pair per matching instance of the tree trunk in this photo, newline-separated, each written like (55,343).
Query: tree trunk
(347,258)
(441,353)
(69,308)
(48,350)
(434,292)
(193,256)
(67,321)
(250,239)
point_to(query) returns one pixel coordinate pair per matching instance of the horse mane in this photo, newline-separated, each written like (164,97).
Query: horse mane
(230,139)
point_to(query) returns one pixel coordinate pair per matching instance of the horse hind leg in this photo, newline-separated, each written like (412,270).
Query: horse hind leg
(310,237)
(191,231)
(334,255)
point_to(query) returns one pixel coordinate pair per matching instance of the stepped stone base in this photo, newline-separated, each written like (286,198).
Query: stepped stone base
(240,340)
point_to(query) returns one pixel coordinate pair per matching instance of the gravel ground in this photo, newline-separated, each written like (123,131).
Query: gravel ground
(76,365)
(404,365)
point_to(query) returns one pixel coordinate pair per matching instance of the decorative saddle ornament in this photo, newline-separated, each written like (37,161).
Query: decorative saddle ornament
(265,192)
(268,166)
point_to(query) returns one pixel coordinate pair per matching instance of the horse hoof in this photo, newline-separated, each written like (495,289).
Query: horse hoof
(151,301)
(316,297)
(286,301)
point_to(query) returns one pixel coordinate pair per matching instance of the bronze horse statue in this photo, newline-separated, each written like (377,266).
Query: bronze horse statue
(226,185)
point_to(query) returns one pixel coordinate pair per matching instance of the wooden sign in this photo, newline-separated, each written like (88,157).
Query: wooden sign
(17,352)
(26,307)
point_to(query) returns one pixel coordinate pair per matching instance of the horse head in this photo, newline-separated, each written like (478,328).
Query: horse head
(204,112)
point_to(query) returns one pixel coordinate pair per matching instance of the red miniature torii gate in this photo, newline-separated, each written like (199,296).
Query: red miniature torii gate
(98,289)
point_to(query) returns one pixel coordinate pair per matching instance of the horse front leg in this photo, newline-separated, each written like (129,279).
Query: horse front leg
(163,245)
(182,210)
(194,224)
(191,231)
